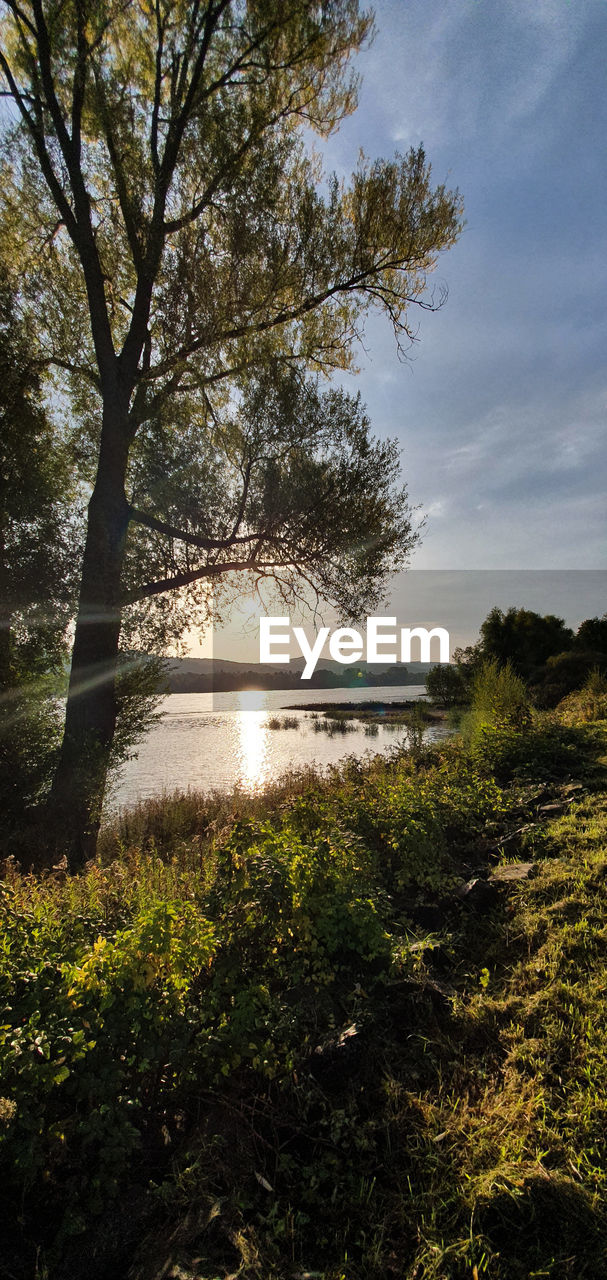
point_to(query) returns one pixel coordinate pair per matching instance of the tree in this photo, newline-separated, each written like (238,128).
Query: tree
(446,684)
(591,635)
(564,673)
(37,577)
(40,520)
(523,638)
(37,517)
(499,700)
(192,265)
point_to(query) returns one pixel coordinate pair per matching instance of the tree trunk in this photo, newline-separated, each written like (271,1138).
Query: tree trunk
(77,793)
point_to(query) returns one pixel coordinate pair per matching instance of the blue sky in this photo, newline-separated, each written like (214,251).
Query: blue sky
(501,410)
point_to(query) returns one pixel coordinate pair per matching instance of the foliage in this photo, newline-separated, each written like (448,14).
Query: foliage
(129,987)
(563,674)
(38,519)
(499,699)
(256,971)
(252,972)
(592,635)
(542,650)
(446,684)
(587,703)
(30,734)
(523,639)
(506,753)
(38,526)
(295,475)
(139,688)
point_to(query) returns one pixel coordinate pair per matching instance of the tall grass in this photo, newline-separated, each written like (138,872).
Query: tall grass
(588,703)
(499,700)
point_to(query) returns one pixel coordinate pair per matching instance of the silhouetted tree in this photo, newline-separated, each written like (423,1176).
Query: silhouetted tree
(193,269)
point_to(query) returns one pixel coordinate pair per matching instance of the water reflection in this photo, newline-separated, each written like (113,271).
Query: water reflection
(219,741)
(251,718)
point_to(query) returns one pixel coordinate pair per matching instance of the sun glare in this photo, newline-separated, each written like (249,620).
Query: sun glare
(253,740)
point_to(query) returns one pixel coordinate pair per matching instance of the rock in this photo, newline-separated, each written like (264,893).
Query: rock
(512,874)
(559,806)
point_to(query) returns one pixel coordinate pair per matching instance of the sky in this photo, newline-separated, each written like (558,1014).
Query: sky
(501,406)
(501,409)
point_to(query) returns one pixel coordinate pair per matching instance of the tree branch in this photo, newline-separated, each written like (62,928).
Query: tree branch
(150,521)
(183,535)
(39,141)
(196,575)
(78,221)
(83,370)
(286,316)
(130,222)
(79,83)
(157,89)
(177,224)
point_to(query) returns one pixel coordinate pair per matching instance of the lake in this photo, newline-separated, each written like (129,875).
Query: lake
(208,741)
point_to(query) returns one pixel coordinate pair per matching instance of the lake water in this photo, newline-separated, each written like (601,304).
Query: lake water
(208,741)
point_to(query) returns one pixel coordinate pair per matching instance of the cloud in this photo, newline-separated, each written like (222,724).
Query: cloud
(501,410)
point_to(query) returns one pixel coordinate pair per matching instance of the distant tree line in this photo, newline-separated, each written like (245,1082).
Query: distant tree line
(323,678)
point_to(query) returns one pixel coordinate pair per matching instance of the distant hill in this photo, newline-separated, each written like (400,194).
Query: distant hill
(205,675)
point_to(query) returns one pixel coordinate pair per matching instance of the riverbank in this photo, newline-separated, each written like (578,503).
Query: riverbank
(350,1030)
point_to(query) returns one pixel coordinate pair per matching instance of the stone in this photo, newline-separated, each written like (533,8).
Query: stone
(512,873)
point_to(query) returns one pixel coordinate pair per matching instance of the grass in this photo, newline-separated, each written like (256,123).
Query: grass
(412,712)
(519,1116)
(333,1063)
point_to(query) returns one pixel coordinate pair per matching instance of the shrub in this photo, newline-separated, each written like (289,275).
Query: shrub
(135,993)
(544,750)
(30,734)
(588,703)
(499,701)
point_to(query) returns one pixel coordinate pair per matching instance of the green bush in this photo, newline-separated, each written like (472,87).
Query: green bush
(446,684)
(588,703)
(30,734)
(94,1034)
(499,701)
(545,750)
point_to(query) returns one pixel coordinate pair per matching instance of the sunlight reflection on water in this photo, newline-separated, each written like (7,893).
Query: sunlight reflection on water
(254,734)
(221,741)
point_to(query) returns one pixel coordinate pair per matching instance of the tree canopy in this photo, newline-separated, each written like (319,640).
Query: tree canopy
(194,273)
(524,638)
(552,658)
(38,516)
